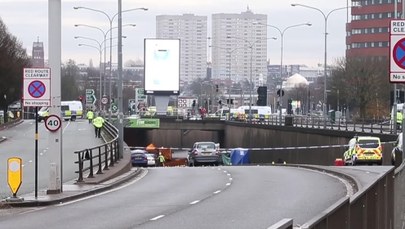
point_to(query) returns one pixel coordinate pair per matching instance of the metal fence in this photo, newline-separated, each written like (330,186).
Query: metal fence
(94,160)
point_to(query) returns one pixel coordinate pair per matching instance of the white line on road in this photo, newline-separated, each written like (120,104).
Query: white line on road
(157,217)
(218,191)
(227,184)
(194,202)
(143,173)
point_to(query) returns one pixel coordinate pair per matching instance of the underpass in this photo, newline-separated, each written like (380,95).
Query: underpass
(241,131)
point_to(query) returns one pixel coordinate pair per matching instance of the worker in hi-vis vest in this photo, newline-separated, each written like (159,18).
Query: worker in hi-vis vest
(98,123)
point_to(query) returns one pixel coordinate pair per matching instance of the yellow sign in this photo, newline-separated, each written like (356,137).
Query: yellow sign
(14,169)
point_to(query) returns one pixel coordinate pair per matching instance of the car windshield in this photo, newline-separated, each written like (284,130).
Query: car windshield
(368,144)
(206,146)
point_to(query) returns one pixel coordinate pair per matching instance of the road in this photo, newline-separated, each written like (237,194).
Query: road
(20,142)
(195,197)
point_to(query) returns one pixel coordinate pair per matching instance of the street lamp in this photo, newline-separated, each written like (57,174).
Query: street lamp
(110,19)
(105,48)
(325,16)
(251,44)
(282,31)
(100,52)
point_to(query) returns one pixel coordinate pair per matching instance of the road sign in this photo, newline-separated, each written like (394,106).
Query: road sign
(397,51)
(278,93)
(53,123)
(104,100)
(14,175)
(90,97)
(37,87)
(114,107)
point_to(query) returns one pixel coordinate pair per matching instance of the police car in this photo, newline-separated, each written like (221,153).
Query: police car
(363,150)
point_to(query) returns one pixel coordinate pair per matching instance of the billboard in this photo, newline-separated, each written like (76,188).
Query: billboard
(162,66)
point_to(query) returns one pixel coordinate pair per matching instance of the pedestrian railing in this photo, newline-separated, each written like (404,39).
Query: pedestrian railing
(96,159)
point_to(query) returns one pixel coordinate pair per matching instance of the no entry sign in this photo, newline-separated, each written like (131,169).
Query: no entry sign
(37,89)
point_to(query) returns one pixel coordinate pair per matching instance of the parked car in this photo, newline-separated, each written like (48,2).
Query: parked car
(363,150)
(151,159)
(397,148)
(204,153)
(139,157)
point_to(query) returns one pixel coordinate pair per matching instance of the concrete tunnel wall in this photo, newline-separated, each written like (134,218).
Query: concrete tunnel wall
(244,135)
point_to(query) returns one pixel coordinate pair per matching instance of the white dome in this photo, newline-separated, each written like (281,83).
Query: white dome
(296,81)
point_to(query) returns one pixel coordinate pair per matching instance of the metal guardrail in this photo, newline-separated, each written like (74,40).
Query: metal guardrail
(95,158)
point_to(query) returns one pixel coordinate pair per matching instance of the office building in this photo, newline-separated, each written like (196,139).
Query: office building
(239,47)
(192,32)
(368,32)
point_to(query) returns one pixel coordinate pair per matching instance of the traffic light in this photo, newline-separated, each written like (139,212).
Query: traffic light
(262,96)
(289,107)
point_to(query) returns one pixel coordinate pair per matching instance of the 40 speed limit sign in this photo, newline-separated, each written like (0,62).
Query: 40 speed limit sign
(53,123)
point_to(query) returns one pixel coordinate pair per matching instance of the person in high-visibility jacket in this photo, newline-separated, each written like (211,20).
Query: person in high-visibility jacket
(161,159)
(90,115)
(399,119)
(98,123)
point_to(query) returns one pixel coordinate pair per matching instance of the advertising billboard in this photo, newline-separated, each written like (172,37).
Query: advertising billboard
(162,66)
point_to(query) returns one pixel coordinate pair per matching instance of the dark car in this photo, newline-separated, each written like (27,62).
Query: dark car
(139,158)
(204,153)
(397,150)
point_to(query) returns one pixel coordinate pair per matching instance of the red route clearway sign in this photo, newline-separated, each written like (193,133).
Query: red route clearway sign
(37,87)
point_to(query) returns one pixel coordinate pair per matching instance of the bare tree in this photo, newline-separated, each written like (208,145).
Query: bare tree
(362,86)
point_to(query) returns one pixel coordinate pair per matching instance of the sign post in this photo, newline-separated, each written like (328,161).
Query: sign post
(37,92)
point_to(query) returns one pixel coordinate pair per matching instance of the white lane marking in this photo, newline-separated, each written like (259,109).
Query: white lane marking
(230,178)
(30,161)
(218,191)
(194,202)
(227,184)
(228,174)
(157,217)
(106,192)
(66,127)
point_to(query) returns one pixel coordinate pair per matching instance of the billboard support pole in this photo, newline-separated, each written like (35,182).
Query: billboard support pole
(161,104)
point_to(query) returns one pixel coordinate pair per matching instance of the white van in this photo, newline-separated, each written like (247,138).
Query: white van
(69,110)
(260,110)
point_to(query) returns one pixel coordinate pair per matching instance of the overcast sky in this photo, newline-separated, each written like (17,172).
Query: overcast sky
(28,20)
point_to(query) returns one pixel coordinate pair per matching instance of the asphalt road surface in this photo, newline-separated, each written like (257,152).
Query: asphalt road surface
(195,197)
(20,142)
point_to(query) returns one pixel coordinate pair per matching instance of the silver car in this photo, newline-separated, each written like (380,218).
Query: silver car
(204,153)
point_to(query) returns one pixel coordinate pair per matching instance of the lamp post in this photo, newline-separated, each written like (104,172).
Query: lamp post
(282,31)
(105,48)
(110,20)
(250,46)
(325,16)
(100,52)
